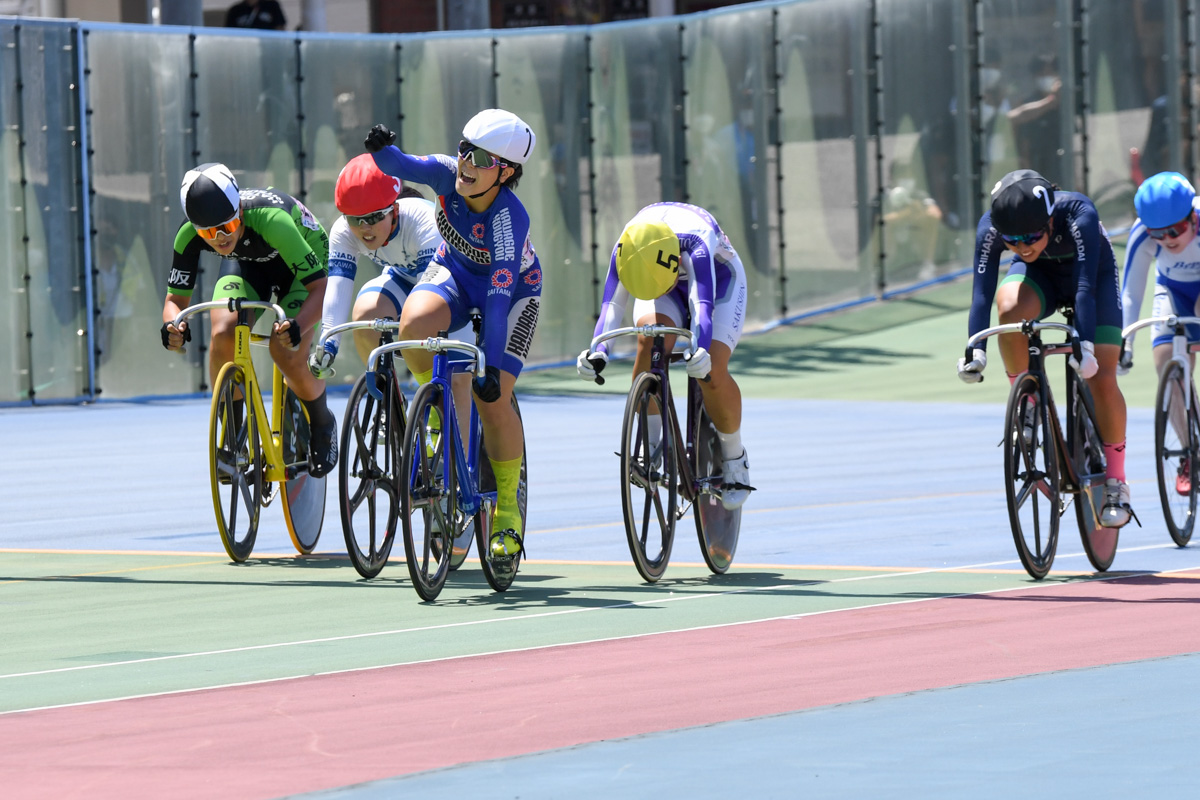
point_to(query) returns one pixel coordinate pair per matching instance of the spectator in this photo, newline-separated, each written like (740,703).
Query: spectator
(261,14)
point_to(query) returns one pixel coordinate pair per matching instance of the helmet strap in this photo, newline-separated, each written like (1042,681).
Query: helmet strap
(493,186)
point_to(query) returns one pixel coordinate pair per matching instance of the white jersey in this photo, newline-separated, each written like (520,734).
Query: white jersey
(403,258)
(1178,272)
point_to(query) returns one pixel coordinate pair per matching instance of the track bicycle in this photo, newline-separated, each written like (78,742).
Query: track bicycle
(655,477)
(250,452)
(446,492)
(1045,469)
(1176,428)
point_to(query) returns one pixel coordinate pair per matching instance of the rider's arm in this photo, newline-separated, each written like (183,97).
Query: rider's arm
(702,284)
(1084,227)
(509,242)
(612,307)
(1139,255)
(437,171)
(339,288)
(989,247)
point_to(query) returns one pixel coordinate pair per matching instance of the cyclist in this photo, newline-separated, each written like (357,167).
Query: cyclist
(385,222)
(1163,234)
(487,261)
(272,246)
(678,264)
(1061,258)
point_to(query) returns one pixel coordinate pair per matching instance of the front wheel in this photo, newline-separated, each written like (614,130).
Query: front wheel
(369,475)
(429,496)
(1031,476)
(649,477)
(1087,454)
(717,526)
(235,463)
(1176,444)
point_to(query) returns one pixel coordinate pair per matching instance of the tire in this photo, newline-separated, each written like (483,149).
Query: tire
(649,496)
(1087,453)
(482,521)
(369,475)
(235,464)
(1031,478)
(716,526)
(303,495)
(429,498)
(1172,449)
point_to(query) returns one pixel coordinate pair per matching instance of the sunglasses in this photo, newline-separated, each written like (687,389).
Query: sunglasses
(1024,238)
(367,219)
(480,158)
(1171,232)
(228,228)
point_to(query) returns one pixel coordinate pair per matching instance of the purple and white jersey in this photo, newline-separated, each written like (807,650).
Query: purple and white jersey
(493,245)
(1178,272)
(708,264)
(404,257)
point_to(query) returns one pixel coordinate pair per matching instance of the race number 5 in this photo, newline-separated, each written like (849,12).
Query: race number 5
(672,262)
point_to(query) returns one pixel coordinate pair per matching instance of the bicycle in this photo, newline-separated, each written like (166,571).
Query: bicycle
(1040,463)
(655,478)
(251,452)
(1176,428)
(446,486)
(368,471)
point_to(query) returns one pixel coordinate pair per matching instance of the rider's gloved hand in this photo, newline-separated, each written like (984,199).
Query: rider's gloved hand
(589,365)
(320,363)
(379,137)
(698,364)
(1089,365)
(174,339)
(487,388)
(972,371)
(1125,363)
(288,332)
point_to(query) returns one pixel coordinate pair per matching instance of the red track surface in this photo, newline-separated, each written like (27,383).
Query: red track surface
(314,733)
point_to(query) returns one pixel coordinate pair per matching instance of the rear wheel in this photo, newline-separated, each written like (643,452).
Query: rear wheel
(368,474)
(429,498)
(303,495)
(1176,443)
(482,521)
(649,479)
(1087,453)
(235,463)
(717,526)
(1031,476)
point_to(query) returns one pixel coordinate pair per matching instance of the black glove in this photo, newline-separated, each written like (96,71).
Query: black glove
(166,335)
(293,332)
(487,388)
(380,137)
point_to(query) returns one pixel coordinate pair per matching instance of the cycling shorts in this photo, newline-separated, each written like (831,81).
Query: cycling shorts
(1057,290)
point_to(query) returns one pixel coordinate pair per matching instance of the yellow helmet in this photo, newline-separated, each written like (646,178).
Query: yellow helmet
(648,259)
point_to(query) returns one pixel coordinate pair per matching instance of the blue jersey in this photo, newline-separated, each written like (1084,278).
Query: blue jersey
(1074,253)
(493,245)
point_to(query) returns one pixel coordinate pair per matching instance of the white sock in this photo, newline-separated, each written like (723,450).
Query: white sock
(654,422)
(731,444)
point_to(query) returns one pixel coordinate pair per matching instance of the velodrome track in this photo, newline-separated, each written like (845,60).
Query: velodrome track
(876,636)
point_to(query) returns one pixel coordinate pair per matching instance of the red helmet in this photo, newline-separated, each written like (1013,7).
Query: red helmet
(362,188)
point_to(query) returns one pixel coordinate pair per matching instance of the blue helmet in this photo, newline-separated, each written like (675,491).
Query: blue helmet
(1164,199)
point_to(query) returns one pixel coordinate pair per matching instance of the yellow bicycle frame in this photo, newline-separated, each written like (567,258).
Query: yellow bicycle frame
(275,469)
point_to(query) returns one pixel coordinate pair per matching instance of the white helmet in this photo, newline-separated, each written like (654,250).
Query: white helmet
(501,133)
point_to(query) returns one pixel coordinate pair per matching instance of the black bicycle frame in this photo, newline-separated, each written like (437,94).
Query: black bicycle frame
(659,360)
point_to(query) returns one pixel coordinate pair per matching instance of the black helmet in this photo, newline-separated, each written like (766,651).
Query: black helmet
(209,195)
(1022,202)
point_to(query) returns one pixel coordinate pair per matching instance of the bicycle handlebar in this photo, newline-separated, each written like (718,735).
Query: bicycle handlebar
(434,344)
(651,330)
(234,304)
(381,324)
(1026,327)
(1171,321)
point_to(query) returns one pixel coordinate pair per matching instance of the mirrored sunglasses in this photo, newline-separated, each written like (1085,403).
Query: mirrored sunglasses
(1170,232)
(228,228)
(480,158)
(367,219)
(1024,238)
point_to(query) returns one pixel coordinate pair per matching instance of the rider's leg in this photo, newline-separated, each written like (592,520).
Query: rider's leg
(1016,300)
(1110,417)
(371,305)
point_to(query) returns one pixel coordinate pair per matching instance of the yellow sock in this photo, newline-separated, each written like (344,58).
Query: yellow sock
(508,476)
(435,416)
